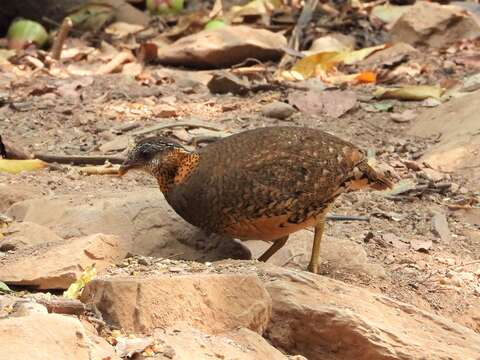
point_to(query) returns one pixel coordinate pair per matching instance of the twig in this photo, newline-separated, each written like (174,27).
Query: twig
(334,217)
(466,264)
(302,22)
(99,170)
(57,46)
(112,65)
(173,125)
(79,159)
(291,258)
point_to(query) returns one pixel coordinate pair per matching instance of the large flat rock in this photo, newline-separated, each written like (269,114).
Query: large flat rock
(143,220)
(223,47)
(57,265)
(435,25)
(239,344)
(213,303)
(50,336)
(457,122)
(325,319)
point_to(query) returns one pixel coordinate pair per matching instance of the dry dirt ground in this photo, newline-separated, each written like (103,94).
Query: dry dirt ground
(419,267)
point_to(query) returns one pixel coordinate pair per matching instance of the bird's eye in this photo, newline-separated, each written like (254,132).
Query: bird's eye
(144,154)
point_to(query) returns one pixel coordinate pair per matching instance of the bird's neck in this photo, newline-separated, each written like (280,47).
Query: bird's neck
(174,168)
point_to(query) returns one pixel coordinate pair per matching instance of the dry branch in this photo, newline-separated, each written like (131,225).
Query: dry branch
(61,37)
(79,159)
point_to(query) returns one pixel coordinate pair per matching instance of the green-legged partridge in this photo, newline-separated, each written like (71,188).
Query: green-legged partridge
(259,184)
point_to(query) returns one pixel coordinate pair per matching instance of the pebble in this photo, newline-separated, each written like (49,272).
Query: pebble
(278,110)
(24,308)
(440,227)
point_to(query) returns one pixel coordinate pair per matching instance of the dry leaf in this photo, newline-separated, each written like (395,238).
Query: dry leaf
(121,29)
(321,64)
(75,289)
(17,166)
(414,92)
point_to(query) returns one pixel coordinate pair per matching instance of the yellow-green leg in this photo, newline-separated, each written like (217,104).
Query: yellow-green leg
(314,265)
(277,245)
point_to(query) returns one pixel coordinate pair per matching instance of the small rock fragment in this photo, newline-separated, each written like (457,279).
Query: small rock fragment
(164,110)
(440,227)
(127,347)
(332,42)
(325,103)
(421,245)
(412,165)
(26,308)
(433,175)
(395,241)
(225,83)
(404,117)
(278,110)
(434,25)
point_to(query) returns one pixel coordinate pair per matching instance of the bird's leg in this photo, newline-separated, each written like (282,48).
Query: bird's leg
(315,258)
(277,245)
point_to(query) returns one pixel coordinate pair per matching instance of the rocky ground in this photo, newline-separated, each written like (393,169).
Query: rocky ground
(403,285)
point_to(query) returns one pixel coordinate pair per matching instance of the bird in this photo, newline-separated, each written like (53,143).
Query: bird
(263,184)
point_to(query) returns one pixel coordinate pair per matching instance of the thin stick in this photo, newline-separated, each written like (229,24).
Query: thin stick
(115,63)
(61,37)
(334,217)
(176,124)
(79,159)
(99,170)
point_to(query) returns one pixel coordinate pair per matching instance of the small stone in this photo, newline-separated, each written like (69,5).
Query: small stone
(433,175)
(440,227)
(395,241)
(412,165)
(421,245)
(225,83)
(175,269)
(26,308)
(164,110)
(278,110)
(404,117)
(127,347)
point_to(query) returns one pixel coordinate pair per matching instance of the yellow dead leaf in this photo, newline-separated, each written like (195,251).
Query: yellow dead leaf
(324,62)
(353,57)
(17,166)
(75,289)
(311,65)
(414,92)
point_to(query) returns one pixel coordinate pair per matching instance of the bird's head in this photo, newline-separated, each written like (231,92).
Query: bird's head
(152,154)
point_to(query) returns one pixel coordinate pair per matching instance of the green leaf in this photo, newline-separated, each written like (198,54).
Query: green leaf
(4,288)
(23,32)
(214,24)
